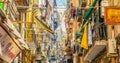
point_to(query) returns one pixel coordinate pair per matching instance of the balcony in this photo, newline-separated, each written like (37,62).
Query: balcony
(84,3)
(2,14)
(13,11)
(93,52)
(21,3)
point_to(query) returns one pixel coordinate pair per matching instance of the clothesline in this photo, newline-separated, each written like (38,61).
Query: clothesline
(59,7)
(38,7)
(91,7)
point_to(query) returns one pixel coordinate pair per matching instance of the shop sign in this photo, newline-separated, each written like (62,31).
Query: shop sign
(8,49)
(104,3)
(112,15)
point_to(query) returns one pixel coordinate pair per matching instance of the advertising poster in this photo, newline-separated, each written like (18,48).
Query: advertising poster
(112,15)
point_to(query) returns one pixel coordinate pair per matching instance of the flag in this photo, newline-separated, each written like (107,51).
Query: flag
(79,12)
(63,15)
(1,49)
(55,4)
(89,34)
(55,25)
(84,43)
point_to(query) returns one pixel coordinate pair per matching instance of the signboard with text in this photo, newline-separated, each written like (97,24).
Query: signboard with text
(104,3)
(112,15)
(8,49)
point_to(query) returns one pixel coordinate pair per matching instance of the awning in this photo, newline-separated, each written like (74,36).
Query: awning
(87,15)
(98,47)
(8,48)
(7,24)
(15,33)
(2,13)
(44,25)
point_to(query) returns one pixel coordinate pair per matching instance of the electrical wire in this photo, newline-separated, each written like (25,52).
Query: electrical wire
(38,7)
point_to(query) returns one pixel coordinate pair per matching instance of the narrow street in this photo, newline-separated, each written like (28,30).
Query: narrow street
(59,31)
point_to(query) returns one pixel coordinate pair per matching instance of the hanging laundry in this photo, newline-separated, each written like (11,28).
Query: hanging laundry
(72,11)
(55,36)
(55,24)
(84,43)
(46,12)
(63,14)
(89,35)
(55,15)
(75,49)
(46,1)
(79,12)
(55,4)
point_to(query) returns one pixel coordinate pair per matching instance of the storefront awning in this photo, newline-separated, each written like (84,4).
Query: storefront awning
(44,25)
(9,26)
(15,33)
(2,14)
(98,47)
(8,48)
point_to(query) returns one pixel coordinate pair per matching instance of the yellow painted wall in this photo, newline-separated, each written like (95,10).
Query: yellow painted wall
(29,19)
(27,57)
(117,2)
(29,32)
(28,29)
(89,2)
(75,3)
